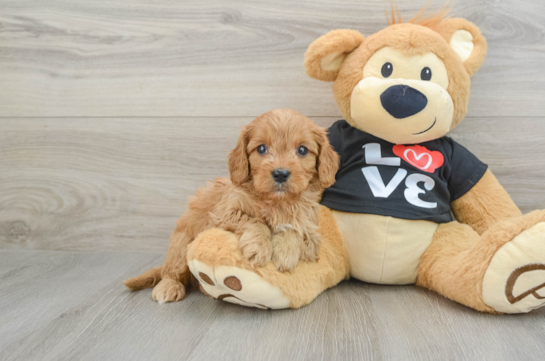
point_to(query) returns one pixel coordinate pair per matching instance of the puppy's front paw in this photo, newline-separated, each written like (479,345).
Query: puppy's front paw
(168,290)
(309,255)
(256,247)
(311,248)
(286,253)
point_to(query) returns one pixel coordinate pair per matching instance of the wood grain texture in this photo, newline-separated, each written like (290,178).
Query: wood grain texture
(73,306)
(113,112)
(119,183)
(235,58)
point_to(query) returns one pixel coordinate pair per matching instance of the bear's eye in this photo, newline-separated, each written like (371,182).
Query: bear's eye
(262,149)
(425,74)
(387,69)
(302,151)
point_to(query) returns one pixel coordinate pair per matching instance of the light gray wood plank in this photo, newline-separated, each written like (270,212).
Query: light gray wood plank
(85,178)
(68,306)
(236,58)
(514,149)
(38,287)
(119,183)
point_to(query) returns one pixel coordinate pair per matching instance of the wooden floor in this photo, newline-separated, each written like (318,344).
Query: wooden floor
(59,305)
(113,112)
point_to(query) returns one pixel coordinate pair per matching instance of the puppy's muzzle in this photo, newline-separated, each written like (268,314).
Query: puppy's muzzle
(280,175)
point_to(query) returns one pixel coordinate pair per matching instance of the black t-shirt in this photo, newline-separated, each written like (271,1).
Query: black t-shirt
(402,181)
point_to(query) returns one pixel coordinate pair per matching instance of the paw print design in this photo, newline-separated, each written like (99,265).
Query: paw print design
(239,286)
(515,279)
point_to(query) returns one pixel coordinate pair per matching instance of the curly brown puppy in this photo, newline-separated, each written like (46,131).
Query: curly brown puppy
(279,168)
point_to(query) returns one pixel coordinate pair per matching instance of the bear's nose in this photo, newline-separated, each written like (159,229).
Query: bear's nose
(402,101)
(280,175)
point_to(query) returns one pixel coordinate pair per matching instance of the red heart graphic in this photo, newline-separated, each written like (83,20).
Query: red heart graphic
(420,157)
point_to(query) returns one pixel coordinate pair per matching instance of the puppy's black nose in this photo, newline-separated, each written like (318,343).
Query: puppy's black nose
(402,101)
(280,175)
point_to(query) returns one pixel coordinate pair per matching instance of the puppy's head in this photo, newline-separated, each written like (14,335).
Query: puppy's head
(282,152)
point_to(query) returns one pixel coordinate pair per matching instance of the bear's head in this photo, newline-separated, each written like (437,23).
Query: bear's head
(408,83)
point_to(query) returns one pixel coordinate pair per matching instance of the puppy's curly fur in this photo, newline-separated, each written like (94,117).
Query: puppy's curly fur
(274,220)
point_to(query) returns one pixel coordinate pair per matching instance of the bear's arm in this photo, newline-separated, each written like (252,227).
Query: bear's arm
(485,204)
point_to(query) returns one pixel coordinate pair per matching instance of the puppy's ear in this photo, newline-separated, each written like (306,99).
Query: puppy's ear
(328,160)
(325,55)
(466,40)
(239,166)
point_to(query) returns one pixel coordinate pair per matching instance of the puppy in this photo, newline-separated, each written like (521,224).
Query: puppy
(279,168)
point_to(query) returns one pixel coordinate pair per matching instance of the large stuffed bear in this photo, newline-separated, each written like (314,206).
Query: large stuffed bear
(410,205)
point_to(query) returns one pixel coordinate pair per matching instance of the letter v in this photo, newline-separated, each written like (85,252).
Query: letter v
(377,184)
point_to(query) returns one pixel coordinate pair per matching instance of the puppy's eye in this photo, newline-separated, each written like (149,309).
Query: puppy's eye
(425,74)
(387,70)
(262,149)
(302,151)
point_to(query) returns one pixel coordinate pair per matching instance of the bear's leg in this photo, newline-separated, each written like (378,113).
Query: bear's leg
(216,261)
(500,271)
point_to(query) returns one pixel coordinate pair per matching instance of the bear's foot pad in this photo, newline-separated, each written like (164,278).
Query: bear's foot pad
(515,279)
(237,285)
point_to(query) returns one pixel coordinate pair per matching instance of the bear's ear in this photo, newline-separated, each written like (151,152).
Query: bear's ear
(325,55)
(466,40)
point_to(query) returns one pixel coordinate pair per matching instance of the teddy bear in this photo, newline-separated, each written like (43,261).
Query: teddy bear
(409,204)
